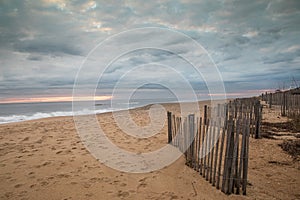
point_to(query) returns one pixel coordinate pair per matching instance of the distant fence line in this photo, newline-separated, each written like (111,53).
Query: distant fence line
(289,102)
(218,147)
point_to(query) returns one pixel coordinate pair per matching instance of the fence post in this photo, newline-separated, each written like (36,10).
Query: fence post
(199,124)
(270,100)
(221,154)
(283,112)
(217,151)
(258,119)
(208,148)
(245,165)
(205,114)
(202,150)
(205,149)
(266,97)
(227,156)
(212,149)
(169,127)
(191,124)
(185,129)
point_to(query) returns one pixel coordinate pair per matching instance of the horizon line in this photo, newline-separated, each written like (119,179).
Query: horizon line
(52,99)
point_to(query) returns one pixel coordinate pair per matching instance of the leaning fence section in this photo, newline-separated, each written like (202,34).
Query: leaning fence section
(218,147)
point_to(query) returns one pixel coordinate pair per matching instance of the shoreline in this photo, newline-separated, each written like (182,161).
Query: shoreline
(99,113)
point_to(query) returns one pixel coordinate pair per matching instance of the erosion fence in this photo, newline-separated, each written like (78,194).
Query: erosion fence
(289,101)
(218,147)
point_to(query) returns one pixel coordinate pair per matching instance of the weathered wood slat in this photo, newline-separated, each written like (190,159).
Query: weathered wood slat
(208,150)
(212,150)
(217,135)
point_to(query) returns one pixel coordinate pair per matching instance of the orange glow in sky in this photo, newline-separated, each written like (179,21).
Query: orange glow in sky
(54,99)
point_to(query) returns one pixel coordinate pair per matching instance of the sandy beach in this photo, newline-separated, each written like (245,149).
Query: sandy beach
(45,159)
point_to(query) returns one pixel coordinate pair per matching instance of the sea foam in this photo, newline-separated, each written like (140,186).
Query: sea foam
(40,115)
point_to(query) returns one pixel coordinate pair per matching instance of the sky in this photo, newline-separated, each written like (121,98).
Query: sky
(254,44)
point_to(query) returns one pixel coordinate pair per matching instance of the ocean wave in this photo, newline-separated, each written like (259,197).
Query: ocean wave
(40,115)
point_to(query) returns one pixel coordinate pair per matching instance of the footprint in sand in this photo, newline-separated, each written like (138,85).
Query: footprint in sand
(44,183)
(86,185)
(31,175)
(25,139)
(68,151)
(123,184)
(37,166)
(22,193)
(166,195)
(122,193)
(46,163)
(50,177)
(62,175)
(59,152)
(93,180)
(67,198)
(8,194)
(142,183)
(13,180)
(33,150)
(105,179)
(18,185)
(89,194)
(18,161)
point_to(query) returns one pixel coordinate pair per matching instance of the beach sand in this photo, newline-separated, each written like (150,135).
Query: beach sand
(45,159)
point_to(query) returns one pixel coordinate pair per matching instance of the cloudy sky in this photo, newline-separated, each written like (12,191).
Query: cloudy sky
(255,44)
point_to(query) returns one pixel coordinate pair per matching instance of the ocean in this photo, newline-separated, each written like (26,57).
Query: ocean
(16,112)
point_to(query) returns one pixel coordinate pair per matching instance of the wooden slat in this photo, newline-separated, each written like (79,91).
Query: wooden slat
(245,166)
(217,135)
(208,151)
(212,151)
(205,150)
(221,156)
(202,150)
(169,127)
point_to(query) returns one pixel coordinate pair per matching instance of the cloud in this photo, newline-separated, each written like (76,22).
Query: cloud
(285,57)
(250,34)
(291,49)
(42,43)
(47,47)
(34,57)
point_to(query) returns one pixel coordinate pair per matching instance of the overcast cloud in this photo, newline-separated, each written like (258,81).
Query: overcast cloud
(255,44)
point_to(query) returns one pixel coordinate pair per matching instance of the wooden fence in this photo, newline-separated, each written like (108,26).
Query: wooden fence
(218,147)
(289,101)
